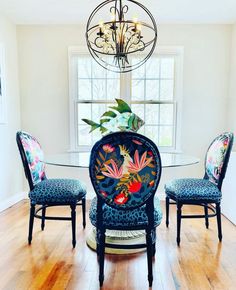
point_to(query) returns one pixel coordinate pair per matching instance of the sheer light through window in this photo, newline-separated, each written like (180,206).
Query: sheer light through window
(150,90)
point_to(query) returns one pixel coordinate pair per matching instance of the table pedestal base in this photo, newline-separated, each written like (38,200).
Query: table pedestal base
(119,238)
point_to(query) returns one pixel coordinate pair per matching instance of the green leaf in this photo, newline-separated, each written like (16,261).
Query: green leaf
(93,125)
(90,122)
(139,178)
(122,107)
(104,121)
(130,120)
(109,114)
(103,129)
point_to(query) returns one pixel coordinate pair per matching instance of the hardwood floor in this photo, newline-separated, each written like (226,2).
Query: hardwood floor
(201,262)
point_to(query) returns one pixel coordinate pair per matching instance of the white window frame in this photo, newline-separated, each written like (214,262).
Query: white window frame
(125,92)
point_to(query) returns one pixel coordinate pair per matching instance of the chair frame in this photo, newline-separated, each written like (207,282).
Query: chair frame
(150,229)
(207,204)
(35,212)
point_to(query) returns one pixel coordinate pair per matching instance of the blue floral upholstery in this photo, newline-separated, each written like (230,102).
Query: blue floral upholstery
(193,189)
(125,218)
(61,191)
(125,169)
(34,156)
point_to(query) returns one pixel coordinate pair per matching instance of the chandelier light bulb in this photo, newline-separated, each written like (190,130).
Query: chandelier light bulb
(139,27)
(113,16)
(101,23)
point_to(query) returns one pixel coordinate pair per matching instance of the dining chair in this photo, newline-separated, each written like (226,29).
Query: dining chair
(46,192)
(204,192)
(125,170)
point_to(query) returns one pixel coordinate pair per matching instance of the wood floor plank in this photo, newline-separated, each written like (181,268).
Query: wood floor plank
(200,263)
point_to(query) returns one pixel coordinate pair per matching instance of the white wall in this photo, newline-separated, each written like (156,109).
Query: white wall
(232,87)
(44,90)
(10,166)
(228,203)
(228,188)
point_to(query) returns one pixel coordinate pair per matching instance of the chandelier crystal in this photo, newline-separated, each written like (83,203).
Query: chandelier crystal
(121,43)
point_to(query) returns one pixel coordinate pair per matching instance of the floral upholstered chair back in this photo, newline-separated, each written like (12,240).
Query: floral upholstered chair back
(217,158)
(125,169)
(32,156)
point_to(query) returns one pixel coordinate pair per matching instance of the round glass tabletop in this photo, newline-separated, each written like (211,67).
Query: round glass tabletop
(81,159)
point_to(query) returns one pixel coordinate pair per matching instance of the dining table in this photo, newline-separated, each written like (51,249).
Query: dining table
(81,160)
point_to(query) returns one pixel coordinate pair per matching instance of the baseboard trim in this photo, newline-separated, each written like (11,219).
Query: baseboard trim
(12,200)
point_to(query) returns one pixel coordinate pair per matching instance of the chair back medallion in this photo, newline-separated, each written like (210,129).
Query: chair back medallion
(34,156)
(216,157)
(125,169)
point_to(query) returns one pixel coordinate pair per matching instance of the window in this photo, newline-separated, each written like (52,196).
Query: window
(153,91)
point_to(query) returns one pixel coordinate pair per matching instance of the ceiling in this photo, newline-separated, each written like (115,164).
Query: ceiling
(77,11)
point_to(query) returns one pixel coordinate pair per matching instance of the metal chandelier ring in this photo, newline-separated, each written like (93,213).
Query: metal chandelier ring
(120,38)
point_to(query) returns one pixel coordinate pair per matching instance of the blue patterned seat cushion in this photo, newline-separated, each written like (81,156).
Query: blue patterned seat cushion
(193,189)
(57,191)
(125,218)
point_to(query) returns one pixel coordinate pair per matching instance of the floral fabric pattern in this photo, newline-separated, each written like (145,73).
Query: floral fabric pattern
(125,169)
(215,157)
(34,156)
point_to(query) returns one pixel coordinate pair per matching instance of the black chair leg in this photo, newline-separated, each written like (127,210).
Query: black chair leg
(179,213)
(206,216)
(73,223)
(84,212)
(167,211)
(31,222)
(43,218)
(149,256)
(153,249)
(218,215)
(97,250)
(101,254)
(97,243)
(154,242)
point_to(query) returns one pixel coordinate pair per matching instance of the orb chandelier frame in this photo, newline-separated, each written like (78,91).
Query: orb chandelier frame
(112,43)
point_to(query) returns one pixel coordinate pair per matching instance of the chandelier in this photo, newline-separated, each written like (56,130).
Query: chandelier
(121,42)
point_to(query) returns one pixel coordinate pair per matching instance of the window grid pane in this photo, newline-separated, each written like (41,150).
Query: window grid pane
(159,129)
(154,81)
(94,84)
(89,111)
